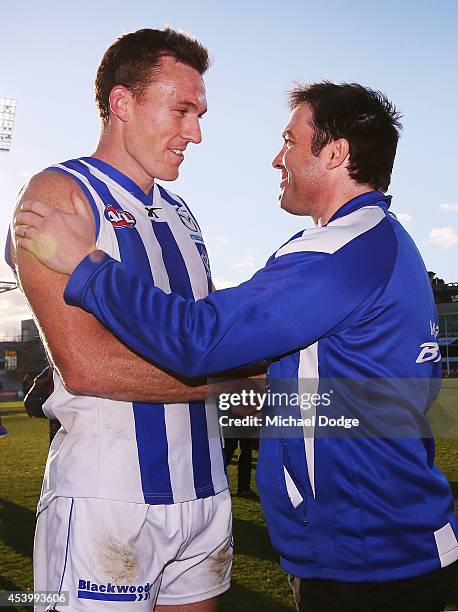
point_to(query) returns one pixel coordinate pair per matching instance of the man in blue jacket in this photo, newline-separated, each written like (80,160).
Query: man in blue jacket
(361,517)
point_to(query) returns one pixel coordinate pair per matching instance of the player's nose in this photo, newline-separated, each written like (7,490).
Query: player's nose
(193,131)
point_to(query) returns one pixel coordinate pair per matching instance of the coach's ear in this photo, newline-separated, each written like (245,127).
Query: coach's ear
(337,153)
(120,99)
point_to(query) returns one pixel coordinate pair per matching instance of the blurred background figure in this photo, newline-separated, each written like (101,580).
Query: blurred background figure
(244,463)
(3,430)
(40,390)
(27,382)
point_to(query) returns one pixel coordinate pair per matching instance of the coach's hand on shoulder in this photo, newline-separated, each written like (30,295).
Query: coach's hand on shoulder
(59,239)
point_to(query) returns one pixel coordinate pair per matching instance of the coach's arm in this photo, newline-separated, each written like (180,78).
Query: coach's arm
(89,359)
(295,300)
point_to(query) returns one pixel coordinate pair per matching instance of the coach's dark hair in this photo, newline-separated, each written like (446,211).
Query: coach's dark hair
(364,117)
(133,59)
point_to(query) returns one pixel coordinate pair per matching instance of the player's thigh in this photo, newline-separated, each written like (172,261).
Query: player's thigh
(100,552)
(202,569)
(209,605)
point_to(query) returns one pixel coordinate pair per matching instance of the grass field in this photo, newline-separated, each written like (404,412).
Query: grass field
(259,585)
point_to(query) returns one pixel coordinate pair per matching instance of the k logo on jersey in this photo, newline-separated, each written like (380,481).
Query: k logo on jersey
(119,218)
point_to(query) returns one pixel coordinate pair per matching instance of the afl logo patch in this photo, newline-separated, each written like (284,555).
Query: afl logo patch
(119,218)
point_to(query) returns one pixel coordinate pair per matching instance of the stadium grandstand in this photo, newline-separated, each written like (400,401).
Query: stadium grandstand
(446,298)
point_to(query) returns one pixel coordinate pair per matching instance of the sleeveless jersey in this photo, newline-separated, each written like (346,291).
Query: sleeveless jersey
(136,451)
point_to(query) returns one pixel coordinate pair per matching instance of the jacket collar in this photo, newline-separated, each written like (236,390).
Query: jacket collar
(371,198)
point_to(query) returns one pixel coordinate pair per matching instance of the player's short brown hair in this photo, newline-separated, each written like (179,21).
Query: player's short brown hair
(132,60)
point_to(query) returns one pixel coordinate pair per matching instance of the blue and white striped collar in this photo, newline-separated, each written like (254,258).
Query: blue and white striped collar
(120,178)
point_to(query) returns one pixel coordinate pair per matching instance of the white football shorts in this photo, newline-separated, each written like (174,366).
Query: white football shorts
(112,555)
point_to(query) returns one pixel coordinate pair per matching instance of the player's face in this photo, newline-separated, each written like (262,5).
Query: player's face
(302,173)
(166,120)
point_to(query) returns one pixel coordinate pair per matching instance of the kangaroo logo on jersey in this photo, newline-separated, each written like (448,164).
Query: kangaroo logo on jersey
(187,219)
(119,218)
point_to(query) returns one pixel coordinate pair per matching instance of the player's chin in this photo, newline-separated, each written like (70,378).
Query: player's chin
(169,174)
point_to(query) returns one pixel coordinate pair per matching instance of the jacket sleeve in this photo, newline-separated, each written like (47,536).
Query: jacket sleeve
(291,303)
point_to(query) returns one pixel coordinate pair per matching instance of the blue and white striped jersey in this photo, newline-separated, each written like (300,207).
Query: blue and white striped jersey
(350,301)
(137,452)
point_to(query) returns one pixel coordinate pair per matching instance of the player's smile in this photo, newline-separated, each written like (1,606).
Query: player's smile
(178,154)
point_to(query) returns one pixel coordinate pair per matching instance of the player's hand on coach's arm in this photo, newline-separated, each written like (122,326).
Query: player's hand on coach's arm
(58,239)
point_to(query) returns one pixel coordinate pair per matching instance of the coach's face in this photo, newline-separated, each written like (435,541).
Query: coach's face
(302,173)
(166,119)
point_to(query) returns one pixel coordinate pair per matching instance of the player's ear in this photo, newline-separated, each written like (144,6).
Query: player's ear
(337,152)
(120,98)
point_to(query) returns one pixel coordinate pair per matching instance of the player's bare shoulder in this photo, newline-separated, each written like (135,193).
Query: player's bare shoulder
(51,187)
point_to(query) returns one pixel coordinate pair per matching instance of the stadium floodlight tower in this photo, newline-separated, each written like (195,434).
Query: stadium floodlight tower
(7,115)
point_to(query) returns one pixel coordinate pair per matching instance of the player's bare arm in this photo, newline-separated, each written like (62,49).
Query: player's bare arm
(90,360)
(57,237)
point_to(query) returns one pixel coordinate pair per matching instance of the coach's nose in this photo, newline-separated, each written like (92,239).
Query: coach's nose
(277,162)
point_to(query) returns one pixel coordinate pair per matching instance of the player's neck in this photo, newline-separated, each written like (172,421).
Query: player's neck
(336,198)
(115,154)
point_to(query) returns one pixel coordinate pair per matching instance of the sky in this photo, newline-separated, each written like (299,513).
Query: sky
(50,52)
